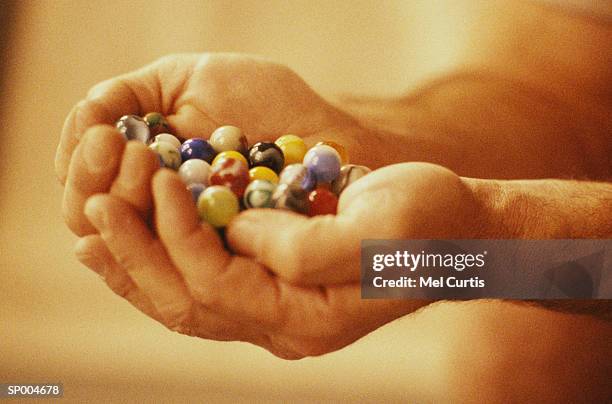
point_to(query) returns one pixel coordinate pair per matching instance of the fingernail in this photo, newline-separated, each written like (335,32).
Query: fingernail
(95,213)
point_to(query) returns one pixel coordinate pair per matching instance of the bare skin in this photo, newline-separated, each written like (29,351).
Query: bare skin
(414,200)
(548,127)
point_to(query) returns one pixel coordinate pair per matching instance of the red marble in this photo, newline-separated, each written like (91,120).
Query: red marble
(322,202)
(231,173)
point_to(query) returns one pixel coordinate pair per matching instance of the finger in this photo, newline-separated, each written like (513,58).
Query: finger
(222,283)
(132,184)
(318,250)
(194,247)
(105,104)
(155,87)
(92,170)
(134,249)
(145,261)
(93,253)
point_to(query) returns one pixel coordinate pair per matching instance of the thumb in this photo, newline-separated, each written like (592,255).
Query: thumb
(317,250)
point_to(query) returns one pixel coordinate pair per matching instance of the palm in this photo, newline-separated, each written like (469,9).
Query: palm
(403,201)
(413,200)
(265,99)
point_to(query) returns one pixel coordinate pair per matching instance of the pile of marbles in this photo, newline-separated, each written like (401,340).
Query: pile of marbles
(225,175)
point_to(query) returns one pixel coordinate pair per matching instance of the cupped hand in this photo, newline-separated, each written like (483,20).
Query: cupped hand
(186,280)
(402,201)
(198,93)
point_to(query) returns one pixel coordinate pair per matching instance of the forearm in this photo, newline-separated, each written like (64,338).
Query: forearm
(548,209)
(487,126)
(510,103)
(544,209)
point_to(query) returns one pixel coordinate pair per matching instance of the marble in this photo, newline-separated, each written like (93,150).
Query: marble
(324,162)
(259,194)
(263,173)
(230,173)
(157,123)
(298,176)
(232,154)
(217,205)
(293,148)
(194,171)
(348,174)
(286,197)
(322,202)
(226,138)
(133,127)
(169,155)
(267,154)
(344,158)
(168,138)
(197,148)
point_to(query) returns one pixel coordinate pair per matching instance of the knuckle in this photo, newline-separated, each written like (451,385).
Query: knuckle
(94,92)
(207,297)
(179,320)
(169,59)
(295,270)
(76,222)
(125,260)
(121,285)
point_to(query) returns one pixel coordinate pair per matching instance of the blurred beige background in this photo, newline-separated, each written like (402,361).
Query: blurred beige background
(58,322)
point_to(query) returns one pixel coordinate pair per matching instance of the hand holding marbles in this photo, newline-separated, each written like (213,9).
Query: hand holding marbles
(309,181)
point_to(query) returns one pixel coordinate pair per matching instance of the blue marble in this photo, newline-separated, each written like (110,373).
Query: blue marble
(197,148)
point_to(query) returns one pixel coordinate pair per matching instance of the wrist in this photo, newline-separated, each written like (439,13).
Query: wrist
(542,209)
